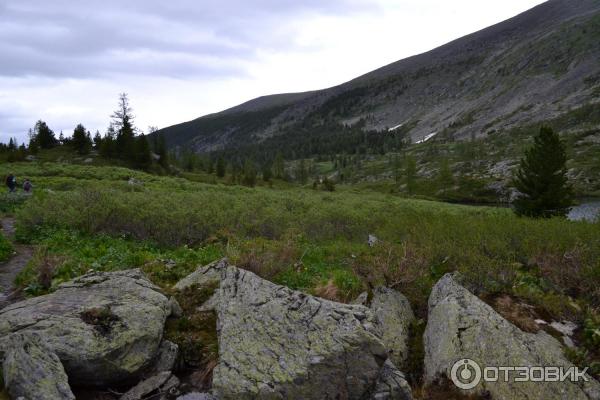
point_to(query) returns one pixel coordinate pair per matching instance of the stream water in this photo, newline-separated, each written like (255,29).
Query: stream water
(587,210)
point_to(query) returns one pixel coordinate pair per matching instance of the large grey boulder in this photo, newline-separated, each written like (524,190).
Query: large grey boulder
(104,327)
(460,326)
(276,343)
(395,316)
(32,371)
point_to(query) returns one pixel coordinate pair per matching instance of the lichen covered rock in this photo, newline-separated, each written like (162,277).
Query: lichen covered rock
(31,370)
(276,343)
(460,326)
(104,327)
(395,316)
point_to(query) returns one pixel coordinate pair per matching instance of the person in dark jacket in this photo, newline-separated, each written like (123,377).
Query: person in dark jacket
(11,183)
(27,186)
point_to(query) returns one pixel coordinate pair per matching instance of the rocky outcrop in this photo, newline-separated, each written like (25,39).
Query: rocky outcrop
(277,343)
(391,384)
(197,396)
(31,370)
(205,276)
(104,327)
(461,326)
(395,316)
(147,386)
(166,357)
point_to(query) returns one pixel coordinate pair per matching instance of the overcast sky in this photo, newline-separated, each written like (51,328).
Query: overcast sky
(66,61)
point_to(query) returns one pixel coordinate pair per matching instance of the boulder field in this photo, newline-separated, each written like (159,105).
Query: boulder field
(106,330)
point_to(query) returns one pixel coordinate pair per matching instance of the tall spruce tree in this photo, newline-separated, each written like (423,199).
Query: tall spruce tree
(122,120)
(542,178)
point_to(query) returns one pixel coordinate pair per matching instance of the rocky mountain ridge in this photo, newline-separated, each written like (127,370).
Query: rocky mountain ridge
(534,67)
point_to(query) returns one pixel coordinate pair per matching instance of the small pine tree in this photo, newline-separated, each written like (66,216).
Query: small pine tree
(220,167)
(143,156)
(279,166)
(445,177)
(108,144)
(161,150)
(125,141)
(33,143)
(97,140)
(542,178)
(267,173)
(302,172)
(410,172)
(249,178)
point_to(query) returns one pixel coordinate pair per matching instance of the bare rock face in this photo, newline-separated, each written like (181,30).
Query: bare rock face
(460,326)
(276,343)
(395,315)
(32,371)
(104,327)
(209,275)
(391,384)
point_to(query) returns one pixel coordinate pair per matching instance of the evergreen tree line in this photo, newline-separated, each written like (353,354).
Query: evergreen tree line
(122,141)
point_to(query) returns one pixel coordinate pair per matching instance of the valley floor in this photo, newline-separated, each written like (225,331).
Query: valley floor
(90,218)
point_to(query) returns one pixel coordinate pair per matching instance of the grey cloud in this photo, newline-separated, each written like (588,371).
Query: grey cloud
(179,38)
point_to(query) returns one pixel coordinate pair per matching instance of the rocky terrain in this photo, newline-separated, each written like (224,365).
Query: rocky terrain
(534,67)
(106,331)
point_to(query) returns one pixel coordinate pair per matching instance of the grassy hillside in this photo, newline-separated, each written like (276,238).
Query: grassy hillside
(84,218)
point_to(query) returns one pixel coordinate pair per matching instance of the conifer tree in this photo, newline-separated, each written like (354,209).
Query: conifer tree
(267,174)
(33,143)
(279,166)
(81,140)
(542,178)
(143,157)
(97,140)
(301,172)
(410,172)
(220,167)
(44,135)
(249,178)
(122,120)
(161,150)
(445,177)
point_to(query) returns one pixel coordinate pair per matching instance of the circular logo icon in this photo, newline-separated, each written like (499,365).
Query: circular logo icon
(465,374)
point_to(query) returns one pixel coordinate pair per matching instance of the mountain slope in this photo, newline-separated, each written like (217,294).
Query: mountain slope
(533,67)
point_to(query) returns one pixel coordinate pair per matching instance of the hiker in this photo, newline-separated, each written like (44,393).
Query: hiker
(27,186)
(11,183)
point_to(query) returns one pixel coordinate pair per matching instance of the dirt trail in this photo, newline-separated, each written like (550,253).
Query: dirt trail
(11,268)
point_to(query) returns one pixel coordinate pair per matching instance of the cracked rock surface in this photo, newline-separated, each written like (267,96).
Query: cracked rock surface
(276,343)
(395,315)
(391,384)
(104,327)
(462,326)
(32,371)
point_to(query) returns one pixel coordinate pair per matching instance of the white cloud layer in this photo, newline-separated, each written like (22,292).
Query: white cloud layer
(66,61)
